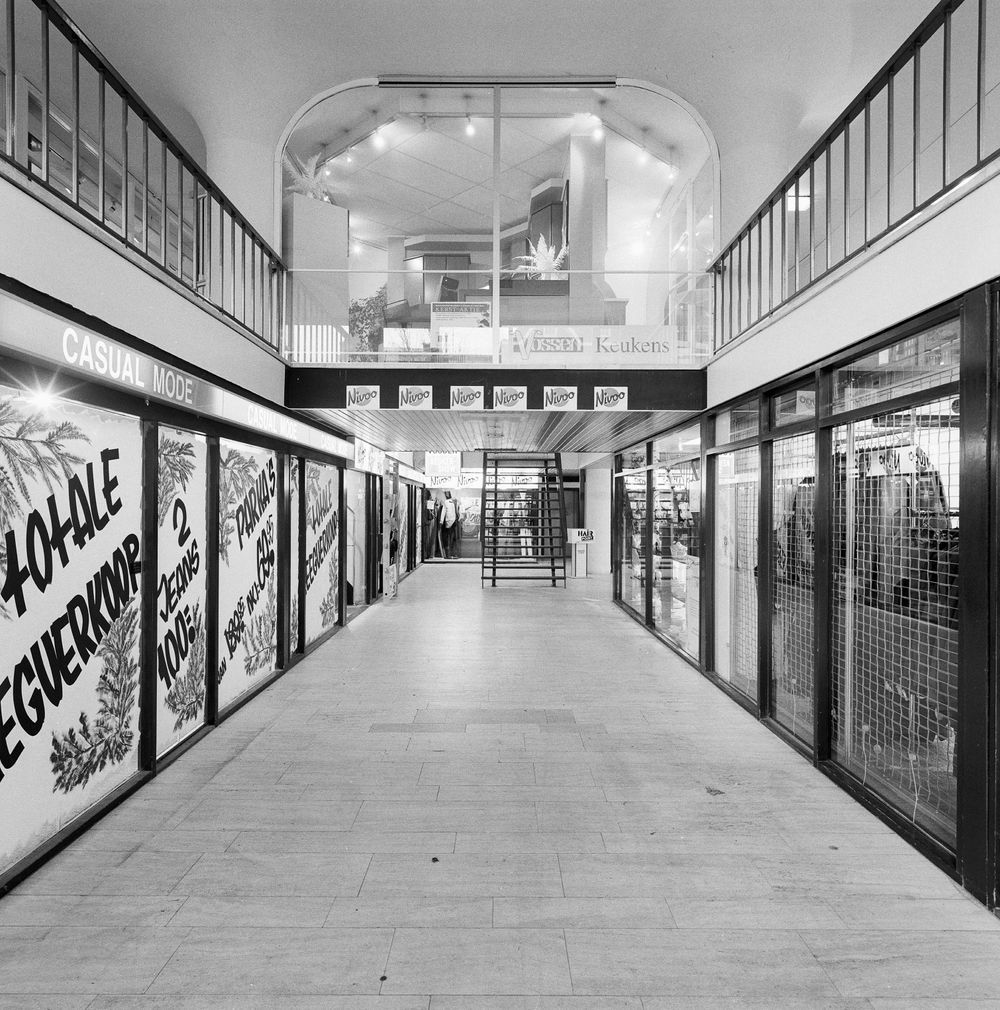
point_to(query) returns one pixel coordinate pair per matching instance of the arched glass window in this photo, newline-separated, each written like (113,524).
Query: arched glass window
(499,224)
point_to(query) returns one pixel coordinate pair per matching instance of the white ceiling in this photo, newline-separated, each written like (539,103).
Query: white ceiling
(404,163)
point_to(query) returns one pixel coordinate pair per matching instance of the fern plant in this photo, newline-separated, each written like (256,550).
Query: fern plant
(30,450)
(237,472)
(80,753)
(175,467)
(261,638)
(186,697)
(307,177)
(543,262)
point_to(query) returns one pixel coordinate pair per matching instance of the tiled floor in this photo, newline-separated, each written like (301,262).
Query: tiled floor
(509,800)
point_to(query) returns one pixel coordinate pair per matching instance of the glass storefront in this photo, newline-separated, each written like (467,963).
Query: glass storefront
(633,548)
(677,545)
(792,569)
(737,489)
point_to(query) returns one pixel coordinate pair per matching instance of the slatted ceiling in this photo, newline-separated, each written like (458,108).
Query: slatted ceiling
(524,431)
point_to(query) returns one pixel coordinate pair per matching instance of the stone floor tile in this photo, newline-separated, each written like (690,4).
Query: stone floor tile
(682,962)
(463,875)
(283,962)
(530,841)
(344,841)
(411,910)
(251,910)
(478,962)
(389,816)
(583,913)
(268,873)
(283,1001)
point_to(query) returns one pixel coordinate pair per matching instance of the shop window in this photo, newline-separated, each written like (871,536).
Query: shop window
(322,600)
(908,366)
(737,487)
(248,582)
(633,562)
(793,405)
(677,538)
(894,621)
(737,423)
(791,560)
(182,531)
(294,491)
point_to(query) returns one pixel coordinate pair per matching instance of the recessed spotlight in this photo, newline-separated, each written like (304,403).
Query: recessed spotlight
(643,156)
(470,128)
(378,140)
(357,249)
(598,131)
(328,171)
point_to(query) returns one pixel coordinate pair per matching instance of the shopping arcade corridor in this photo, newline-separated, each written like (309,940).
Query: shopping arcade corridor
(481,796)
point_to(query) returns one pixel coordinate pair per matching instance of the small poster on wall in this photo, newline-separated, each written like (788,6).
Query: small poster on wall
(182,464)
(248,580)
(70,579)
(322,549)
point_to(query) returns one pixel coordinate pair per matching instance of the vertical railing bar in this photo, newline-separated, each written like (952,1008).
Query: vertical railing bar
(124,203)
(163,202)
(890,145)
(44,23)
(812,220)
(760,266)
(847,189)
(222,256)
(827,211)
(729,295)
(102,144)
(946,102)
(253,283)
(145,186)
(739,286)
(232,246)
(868,171)
(916,124)
(243,271)
(180,217)
(784,252)
(795,235)
(11,77)
(207,253)
(980,78)
(770,259)
(75,152)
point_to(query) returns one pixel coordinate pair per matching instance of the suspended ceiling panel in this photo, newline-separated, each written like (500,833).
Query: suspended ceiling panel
(524,431)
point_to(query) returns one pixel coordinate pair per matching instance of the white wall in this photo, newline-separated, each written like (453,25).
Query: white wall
(951,253)
(597,517)
(45,251)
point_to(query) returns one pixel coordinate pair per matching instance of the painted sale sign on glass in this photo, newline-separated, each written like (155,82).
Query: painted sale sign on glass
(70,575)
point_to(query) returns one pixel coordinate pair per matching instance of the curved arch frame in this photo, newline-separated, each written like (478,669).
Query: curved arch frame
(368,82)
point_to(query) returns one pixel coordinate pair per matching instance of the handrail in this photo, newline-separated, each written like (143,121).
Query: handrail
(764,267)
(219,255)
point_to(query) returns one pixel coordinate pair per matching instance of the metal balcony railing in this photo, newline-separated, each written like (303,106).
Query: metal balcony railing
(928,121)
(69,122)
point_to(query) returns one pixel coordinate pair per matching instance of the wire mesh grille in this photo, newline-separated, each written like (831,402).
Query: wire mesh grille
(633,552)
(791,567)
(895,635)
(677,549)
(737,493)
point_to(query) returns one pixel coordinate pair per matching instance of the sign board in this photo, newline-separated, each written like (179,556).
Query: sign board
(559,398)
(416,397)
(577,535)
(610,397)
(43,335)
(461,328)
(510,397)
(366,397)
(591,346)
(367,457)
(466,398)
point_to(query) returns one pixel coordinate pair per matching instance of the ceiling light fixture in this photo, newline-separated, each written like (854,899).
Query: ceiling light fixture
(470,128)
(643,156)
(598,131)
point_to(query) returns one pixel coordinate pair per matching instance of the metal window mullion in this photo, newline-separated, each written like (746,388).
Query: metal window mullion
(772,210)
(44,21)
(739,284)
(243,271)
(253,283)
(10,79)
(784,238)
(206,255)
(946,101)
(75,153)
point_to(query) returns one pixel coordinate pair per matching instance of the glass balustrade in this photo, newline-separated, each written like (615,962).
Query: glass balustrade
(567,319)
